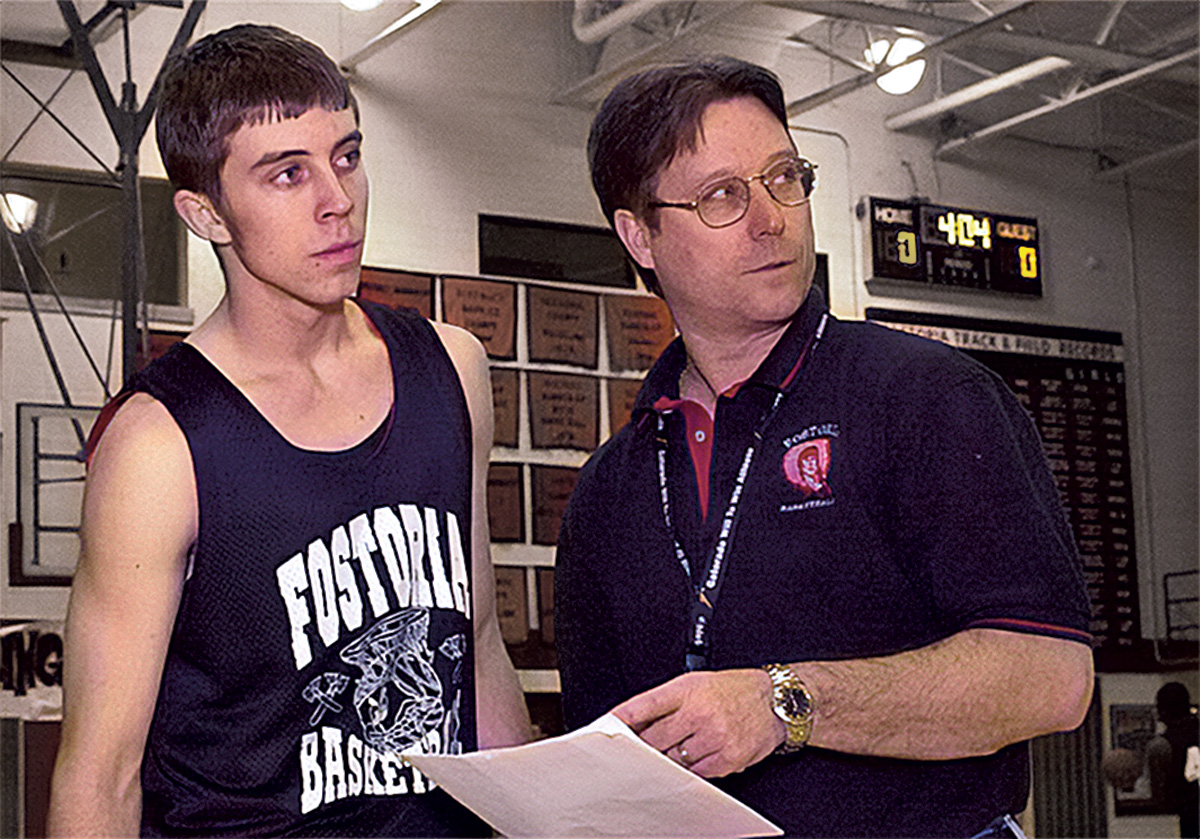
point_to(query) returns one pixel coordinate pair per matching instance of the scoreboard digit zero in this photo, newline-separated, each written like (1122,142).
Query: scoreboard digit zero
(948,246)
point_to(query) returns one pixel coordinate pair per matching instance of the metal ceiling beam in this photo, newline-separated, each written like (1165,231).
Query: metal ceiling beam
(44,55)
(1085,55)
(389,34)
(64,55)
(1095,90)
(961,37)
(1116,172)
(974,92)
(799,41)
(594,86)
(1160,108)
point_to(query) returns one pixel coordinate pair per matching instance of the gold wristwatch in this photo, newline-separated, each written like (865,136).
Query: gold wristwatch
(793,704)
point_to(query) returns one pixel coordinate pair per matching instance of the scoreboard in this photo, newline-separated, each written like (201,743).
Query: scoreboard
(934,245)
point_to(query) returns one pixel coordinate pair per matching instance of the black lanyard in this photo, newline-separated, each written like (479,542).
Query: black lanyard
(709,588)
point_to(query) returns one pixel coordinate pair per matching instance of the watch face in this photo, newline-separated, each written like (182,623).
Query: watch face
(795,703)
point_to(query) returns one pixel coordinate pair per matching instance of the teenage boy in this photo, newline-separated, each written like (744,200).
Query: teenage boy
(284,580)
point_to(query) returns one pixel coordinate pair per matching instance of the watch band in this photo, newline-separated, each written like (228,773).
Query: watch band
(793,704)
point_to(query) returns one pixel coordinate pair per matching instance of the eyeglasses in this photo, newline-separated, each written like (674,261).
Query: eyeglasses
(789,182)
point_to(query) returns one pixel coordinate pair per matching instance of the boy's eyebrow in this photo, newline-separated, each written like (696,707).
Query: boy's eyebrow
(354,136)
(274,157)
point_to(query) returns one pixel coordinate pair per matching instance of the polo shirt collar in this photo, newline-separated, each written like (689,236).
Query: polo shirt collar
(777,371)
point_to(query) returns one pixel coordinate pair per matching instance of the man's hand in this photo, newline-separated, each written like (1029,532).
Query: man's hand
(713,722)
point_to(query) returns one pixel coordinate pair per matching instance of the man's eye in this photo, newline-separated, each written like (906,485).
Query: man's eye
(721,192)
(789,174)
(350,159)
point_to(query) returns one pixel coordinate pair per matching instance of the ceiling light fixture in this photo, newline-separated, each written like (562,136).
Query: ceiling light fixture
(903,79)
(361,5)
(18,211)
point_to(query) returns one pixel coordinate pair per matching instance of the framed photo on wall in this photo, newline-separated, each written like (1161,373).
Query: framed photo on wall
(1133,763)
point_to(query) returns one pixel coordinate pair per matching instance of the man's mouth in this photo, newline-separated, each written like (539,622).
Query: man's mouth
(771,266)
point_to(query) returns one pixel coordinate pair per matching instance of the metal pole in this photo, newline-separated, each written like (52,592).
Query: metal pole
(128,124)
(132,263)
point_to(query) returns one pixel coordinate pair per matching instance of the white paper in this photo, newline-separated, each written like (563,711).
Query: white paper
(601,780)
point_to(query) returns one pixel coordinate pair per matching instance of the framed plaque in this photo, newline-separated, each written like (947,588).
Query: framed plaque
(638,330)
(506,502)
(486,308)
(512,607)
(506,405)
(564,411)
(552,488)
(622,394)
(397,289)
(563,326)
(548,250)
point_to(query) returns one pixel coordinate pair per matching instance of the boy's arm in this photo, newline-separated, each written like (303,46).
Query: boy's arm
(500,711)
(139,522)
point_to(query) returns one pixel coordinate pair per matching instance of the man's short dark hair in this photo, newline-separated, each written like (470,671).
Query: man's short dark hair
(246,74)
(652,116)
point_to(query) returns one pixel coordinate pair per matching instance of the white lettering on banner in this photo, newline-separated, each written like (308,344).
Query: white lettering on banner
(974,339)
(334,766)
(424,560)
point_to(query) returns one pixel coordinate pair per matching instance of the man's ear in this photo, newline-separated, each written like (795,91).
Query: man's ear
(198,213)
(634,233)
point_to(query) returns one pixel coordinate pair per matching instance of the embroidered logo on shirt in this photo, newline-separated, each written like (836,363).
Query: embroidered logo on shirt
(807,460)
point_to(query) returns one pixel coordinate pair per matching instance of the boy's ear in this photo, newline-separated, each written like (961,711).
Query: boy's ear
(633,232)
(198,213)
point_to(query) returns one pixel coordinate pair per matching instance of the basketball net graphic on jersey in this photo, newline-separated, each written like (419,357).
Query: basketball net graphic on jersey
(399,695)
(387,594)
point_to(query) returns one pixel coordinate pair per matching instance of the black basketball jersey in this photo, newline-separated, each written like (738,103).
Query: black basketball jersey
(326,620)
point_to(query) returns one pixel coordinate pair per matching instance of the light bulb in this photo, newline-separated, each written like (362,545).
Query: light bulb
(18,211)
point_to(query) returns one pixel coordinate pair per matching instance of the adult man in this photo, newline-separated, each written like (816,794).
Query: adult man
(914,622)
(285,579)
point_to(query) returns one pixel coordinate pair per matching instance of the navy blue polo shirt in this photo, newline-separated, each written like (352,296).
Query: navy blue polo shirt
(899,495)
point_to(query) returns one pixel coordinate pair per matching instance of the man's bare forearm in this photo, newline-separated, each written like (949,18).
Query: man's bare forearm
(971,694)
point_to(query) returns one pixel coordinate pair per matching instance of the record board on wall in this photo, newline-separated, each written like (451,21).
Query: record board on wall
(1072,382)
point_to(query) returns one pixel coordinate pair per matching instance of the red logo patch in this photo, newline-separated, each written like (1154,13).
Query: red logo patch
(806,466)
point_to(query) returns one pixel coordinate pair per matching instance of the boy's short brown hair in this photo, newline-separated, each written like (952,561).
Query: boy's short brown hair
(245,74)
